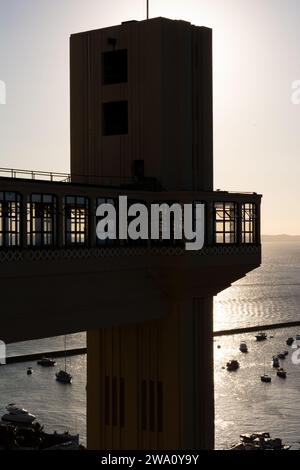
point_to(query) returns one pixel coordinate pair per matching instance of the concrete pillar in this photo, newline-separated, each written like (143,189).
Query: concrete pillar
(60,221)
(197,372)
(150,385)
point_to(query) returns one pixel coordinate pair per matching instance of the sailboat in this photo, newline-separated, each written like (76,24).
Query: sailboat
(63,376)
(265,378)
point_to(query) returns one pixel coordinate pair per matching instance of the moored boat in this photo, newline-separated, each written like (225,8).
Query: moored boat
(243,347)
(64,377)
(18,415)
(276,362)
(261,336)
(281,355)
(266,378)
(232,365)
(46,362)
(281,373)
(259,441)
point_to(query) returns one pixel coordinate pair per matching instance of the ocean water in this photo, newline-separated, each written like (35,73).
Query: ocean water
(243,403)
(267,295)
(57,406)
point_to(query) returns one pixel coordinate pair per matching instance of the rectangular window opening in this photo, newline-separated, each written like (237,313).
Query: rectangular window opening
(10,207)
(115,118)
(115,67)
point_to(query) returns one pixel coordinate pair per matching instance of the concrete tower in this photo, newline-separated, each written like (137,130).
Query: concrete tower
(141,103)
(141,112)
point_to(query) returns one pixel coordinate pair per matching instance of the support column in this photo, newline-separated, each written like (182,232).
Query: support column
(150,386)
(197,374)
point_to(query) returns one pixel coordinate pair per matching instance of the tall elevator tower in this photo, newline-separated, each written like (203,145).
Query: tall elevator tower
(141,118)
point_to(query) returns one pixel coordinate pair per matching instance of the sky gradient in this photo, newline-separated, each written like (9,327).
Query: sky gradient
(256,59)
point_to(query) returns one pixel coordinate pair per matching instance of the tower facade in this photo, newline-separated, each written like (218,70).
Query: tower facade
(141,104)
(141,118)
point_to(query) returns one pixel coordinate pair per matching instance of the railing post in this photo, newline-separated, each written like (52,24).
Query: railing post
(209,223)
(258,223)
(92,223)
(60,221)
(23,220)
(239,223)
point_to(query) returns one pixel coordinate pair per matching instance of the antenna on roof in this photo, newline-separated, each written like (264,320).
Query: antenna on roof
(147,9)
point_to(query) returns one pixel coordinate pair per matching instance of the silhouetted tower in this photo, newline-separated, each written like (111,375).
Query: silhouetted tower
(141,117)
(142,92)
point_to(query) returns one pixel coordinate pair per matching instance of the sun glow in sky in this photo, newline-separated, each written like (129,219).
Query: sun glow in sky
(256,60)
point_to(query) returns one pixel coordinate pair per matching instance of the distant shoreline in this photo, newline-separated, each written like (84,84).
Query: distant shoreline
(280,238)
(51,354)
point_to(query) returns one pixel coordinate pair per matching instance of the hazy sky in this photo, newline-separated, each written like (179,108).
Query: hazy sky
(256,59)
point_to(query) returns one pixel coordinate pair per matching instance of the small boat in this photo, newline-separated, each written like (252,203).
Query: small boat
(18,415)
(29,371)
(46,362)
(17,436)
(261,337)
(243,347)
(281,355)
(276,361)
(259,441)
(289,341)
(281,373)
(232,365)
(265,378)
(63,376)
(257,435)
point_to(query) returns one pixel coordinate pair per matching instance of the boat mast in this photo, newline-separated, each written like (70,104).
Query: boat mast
(65,353)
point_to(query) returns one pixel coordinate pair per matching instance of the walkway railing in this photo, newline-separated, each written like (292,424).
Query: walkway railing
(40,175)
(114,181)
(64,177)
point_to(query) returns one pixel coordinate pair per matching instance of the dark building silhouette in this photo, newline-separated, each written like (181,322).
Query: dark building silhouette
(143,91)
(141,105)
(141,126)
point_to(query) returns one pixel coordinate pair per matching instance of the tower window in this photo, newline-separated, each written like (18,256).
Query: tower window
(115,118)
(248,223)
(41,220)
(76,220)
(114,65)
(152,406)
(225,222)
(9,219)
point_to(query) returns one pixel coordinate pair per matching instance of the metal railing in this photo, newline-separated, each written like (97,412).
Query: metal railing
(84,179)
(39,175)
(60,177)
